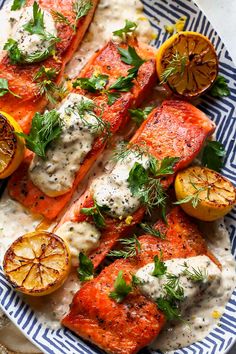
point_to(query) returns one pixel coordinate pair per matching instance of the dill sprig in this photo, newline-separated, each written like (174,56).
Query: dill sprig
(152,231)
(60,18)
(131,248)
(81,8)
(195,274)
(195,197)
(176,66)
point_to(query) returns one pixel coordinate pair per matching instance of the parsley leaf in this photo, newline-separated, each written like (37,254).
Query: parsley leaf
(168,308)
(45,128)
(160,267)
(36,25)
(112,97)
(86,268)
(139,115)
(123,83)
(93,84)
(220,87)
(131,249)
(17,4)
(5,89)
(135,280)
(137,178)
(129,28)
(130,57)
(166,167)
(213,154)
(152,231)
(96,213)
(121,288)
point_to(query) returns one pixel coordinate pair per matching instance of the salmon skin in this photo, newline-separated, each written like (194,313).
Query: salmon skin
(176,129)
(22,189)
(21,77)
(125,328)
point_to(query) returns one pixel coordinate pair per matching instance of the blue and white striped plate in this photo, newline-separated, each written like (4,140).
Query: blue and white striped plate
(223,113)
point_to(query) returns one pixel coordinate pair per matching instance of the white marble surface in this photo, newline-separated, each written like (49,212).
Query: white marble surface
(221,13)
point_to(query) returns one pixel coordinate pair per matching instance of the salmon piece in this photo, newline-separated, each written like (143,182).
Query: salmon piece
(125,328)
(22,189)
(184,129)
(21,77)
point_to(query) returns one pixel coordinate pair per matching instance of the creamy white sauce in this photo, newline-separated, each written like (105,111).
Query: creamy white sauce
(109,16)
(153,286)
(55,175)
(202,316)
(112,190)
(81,237)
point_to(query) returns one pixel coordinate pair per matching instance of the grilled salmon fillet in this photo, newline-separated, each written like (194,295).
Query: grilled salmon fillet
(107,60)
(21,77)
(175,129)
(125,328)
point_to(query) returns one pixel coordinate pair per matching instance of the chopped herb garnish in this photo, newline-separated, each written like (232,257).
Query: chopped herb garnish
(136,281)
(129,28)
(131,248)
(130,57)
(36,24)
(168,308)
(213,155)
(160,268)
(5,89)
(121,288)
(81,8)
(195,274)
(93,84)
(124,149)
(139,115)
(176,66)
(152,231)
(60,18)
(96,212)
(173,288)
(17,4)
(86,268)
(220,87)
(195,197)
(44,129)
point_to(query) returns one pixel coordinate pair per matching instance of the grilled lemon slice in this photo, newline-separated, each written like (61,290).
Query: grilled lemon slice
(188,63)
(204,193)
(12,147)
(37,263)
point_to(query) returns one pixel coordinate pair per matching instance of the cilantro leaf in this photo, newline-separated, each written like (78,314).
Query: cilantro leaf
(152,231)
(121,288)
(130,56)
(93,84)
(139,115)
(96,213)
(45,128)
(129,28)
(168,308)
(86,268)
(213,155)
(220,87)
(5,89)
(160,267)
(17,4)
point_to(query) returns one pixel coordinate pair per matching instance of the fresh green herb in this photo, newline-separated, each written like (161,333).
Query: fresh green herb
(121,288)
(125,149)
(195,197)
(112,97)
(139,115)
(136,281)
(131,248)
(168,308)
(86,268)
(44,129)
(46,86)
(220,87)
(99,125)
(5,89)
(176,66)
(123,84)
(159,268)
(152,231)
(17,4)
(93,84)
(173,289)
(196,275)
(60,18)
(129,28)
(36,24)
(96,213)
(213,155)
(166,167)
(81,9)
(130,57)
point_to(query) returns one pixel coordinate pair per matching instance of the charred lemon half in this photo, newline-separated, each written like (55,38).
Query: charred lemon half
(204,193)
(187,62)
(37,263)
(12,146)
